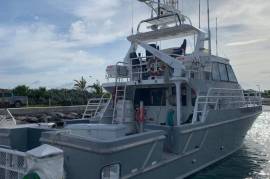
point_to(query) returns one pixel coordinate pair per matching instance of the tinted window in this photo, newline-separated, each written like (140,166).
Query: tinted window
(184,95)
(231,74)
(215,72)
(193,97)
(151,97)
(157,97)
(223,72)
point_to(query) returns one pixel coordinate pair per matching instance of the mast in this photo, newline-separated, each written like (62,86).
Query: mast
(217,36)
(209,31)
(132,17)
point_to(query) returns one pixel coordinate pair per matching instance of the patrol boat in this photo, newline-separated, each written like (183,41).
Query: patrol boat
(174,109)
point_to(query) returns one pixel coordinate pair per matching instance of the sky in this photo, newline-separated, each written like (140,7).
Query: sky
(50,43)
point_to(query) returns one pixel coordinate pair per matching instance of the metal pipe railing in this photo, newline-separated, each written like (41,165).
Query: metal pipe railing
(222,102)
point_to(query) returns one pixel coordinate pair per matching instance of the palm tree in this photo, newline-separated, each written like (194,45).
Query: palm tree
(97,89)
(81,84)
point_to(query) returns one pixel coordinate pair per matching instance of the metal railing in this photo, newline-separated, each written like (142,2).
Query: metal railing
(136,69)
(140,67)
(7,119)
(96,107)
(223,99)
(13,164)
(143,67)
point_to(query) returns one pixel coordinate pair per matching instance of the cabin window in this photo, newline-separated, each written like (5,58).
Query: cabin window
(150,96)
(207,75)
(231,74)
(223,72)
(193,97)
(215,72)
(184,95)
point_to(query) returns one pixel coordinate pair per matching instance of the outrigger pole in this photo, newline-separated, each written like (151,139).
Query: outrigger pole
(199,14)
(209,31)
(217,36)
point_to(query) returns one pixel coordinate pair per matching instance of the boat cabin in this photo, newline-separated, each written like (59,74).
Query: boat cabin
(167,69)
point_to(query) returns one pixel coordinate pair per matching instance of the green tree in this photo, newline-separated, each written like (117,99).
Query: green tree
(21,90)
(81,84)
(97,89)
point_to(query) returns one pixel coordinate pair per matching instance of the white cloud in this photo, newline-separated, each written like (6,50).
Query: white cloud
(92,34)
(37,52)
(102,21)
(93,10)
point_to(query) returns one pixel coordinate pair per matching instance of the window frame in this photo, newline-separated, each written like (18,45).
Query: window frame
(223,64)
(149,101)
(229,66)
(226,66)
(215,63)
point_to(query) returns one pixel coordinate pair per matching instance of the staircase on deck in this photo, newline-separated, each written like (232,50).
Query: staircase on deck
(96,108)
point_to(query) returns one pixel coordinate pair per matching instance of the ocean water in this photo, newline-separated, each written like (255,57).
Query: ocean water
(252,161)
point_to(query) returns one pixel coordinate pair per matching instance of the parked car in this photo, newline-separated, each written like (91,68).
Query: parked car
(8,99)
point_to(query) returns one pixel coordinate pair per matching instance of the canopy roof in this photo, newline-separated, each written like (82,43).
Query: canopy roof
(183,30)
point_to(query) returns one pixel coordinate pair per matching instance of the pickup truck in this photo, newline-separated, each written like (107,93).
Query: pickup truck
(8,99)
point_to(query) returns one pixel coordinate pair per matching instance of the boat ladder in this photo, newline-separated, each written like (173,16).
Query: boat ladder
(120,95)
(7,119)
(96,108)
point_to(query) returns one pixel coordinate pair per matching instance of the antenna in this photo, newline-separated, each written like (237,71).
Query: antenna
(199,14)
(182,6)
(217,36)
(209,30)
(132,16)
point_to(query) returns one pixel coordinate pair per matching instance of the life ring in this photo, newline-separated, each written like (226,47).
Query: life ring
(159,70)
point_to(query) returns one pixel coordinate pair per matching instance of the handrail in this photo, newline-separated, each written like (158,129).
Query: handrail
(157,18)
(210,101)
(106,107)
(12,117)
(7,119)
(97,106)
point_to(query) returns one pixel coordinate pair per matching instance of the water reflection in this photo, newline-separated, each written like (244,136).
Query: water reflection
(252,161)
